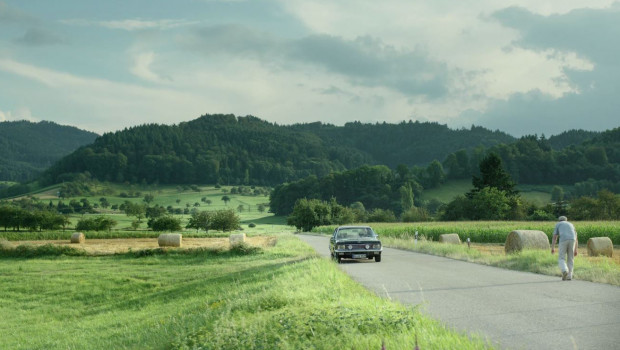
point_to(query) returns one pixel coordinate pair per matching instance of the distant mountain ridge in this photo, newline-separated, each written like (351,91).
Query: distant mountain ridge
(28,148)
(227,149)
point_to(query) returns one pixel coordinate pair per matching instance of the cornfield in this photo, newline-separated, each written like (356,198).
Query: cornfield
(488,231)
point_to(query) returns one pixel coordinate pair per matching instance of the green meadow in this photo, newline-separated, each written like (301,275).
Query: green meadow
(247,205)
(282,297)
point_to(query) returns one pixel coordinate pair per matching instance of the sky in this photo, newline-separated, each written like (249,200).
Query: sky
(523,67)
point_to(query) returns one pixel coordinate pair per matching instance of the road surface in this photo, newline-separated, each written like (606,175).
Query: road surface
(513,310)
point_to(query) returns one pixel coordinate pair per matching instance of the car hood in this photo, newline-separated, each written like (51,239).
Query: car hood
(357,240)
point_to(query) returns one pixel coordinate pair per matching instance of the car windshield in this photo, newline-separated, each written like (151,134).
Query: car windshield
(355,233)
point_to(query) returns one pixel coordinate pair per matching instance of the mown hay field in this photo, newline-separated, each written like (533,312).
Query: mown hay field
(124,245)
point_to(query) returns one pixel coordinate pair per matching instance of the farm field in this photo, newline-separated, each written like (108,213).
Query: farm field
(489,231)
(125,245)
(251,206)
(174,299)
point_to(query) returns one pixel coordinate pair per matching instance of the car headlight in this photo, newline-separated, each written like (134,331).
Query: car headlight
(376,246)
(340,246)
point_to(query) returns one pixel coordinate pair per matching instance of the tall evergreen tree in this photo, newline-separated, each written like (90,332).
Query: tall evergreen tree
(492,174)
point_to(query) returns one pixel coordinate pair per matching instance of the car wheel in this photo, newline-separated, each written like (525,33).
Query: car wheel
(338,259)
(378,258)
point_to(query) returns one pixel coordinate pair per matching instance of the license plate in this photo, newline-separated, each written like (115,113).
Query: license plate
(359,256)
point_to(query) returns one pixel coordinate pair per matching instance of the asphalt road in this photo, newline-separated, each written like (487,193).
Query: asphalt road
(513,310)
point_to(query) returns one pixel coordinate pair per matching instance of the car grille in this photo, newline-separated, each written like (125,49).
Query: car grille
(359,246)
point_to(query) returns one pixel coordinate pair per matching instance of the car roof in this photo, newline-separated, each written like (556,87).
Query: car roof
(340,227)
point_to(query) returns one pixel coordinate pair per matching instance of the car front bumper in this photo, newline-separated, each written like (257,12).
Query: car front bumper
(357,254)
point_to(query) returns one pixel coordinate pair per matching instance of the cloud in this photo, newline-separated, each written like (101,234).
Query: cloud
(132,24)
(142,68)
(96,104)
(589,32)
(593,103)
(38,37)
(364,61)
(22,113)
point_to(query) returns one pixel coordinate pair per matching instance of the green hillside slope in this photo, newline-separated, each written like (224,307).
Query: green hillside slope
(27,148)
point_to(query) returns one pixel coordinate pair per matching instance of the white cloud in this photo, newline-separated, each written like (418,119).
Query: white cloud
(21,113)
(132,24)
(142,68)
(99,104)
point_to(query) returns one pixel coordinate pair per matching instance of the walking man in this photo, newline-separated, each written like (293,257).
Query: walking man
(567,247)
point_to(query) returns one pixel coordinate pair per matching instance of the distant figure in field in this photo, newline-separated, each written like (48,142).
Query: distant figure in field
(567,247)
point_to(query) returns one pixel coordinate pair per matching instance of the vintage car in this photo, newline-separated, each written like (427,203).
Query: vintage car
(355,242)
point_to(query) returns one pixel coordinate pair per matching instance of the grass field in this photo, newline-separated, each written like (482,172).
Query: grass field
(282,297)
(168,196)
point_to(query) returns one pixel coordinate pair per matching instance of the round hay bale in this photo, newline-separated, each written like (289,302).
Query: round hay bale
(78,237)
(170,240)
(600,246)
(450,238)
(237,238)
(519,240)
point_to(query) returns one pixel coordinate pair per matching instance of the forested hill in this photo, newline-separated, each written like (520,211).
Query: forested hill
(571,138)
(211,149)
(27,148)
(409,143)
(227,149)
(237,150)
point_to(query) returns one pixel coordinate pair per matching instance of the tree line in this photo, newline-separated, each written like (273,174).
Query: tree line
(16,218)
(533,160)
(347,197)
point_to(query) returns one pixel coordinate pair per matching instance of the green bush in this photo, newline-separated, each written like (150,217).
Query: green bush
(165,223)
(28,251)
(244,249)
(381,215)
(100,223)
(225,220)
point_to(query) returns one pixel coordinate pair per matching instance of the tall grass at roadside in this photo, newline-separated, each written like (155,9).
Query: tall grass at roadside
(599,269)
(282,297)
(488,231)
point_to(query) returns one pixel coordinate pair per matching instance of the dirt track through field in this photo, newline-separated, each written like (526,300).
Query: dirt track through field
(123,245)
